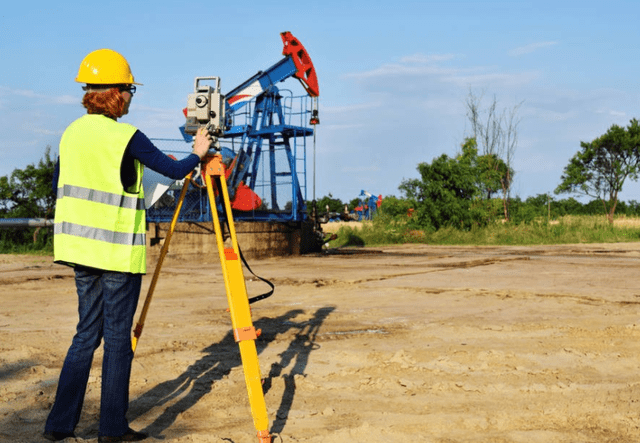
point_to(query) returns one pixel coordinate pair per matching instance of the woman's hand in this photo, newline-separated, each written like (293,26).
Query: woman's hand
(202,143)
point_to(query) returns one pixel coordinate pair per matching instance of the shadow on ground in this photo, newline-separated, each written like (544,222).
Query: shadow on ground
(220,358)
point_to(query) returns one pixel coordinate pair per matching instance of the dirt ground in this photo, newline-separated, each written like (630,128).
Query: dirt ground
(394,344)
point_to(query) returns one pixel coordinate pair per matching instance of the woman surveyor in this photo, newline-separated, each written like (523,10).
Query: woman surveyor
(100,230)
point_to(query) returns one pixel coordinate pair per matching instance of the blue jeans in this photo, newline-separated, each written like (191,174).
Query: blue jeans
(107,302)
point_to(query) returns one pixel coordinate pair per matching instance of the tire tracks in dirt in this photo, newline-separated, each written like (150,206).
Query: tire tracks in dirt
(427,269)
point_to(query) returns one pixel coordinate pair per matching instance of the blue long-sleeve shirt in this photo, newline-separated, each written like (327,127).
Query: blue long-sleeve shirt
(142,149)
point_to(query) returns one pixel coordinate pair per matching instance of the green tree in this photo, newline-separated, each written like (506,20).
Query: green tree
(28,193)
(494,175)
(633,208)
(449,190)
(521,211)
(334,204)
(395,207)
(569,206)
(601,167)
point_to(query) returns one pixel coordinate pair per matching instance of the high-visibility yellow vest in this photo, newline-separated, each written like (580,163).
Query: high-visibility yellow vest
(97,222)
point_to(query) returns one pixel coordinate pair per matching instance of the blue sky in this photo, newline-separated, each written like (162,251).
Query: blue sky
(394,76)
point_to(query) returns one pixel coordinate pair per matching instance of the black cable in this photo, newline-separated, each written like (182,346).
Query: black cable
(262,296)
(257,297)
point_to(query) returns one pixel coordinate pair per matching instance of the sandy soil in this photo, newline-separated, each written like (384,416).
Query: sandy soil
(394,344)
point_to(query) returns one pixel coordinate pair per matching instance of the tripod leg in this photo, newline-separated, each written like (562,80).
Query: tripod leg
(137,332)
(243,329)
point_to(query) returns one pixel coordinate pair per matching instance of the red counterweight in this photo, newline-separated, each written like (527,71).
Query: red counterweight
(306,72)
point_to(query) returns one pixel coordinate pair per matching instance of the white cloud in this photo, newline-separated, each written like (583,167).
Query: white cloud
(442,105)
(30,94)
(19,92)
(342,127)
(44,131)
(536,163)
(527,49)
(611,112)
(67,100)
(358,169)
(552,115)
(476,76)
(350,108)
(395,69)
(500,78)
(424,58)
(154,110)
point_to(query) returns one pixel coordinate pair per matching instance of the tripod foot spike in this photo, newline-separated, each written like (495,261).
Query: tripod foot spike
(264,437)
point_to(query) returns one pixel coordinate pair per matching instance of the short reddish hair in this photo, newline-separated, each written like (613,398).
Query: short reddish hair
(109,103)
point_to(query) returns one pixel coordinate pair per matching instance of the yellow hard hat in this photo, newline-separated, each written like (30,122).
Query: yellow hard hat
(105,67)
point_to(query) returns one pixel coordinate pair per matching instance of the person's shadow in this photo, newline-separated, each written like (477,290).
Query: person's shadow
(221,358)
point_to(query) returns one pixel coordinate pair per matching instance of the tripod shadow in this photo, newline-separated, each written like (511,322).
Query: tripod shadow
(197,380)
(297,353)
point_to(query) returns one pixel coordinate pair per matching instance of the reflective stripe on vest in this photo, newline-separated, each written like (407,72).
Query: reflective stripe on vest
(119,238)
(106,198)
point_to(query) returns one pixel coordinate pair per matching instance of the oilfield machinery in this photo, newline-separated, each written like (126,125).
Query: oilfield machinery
(368,206)
(252,168)
(262,133)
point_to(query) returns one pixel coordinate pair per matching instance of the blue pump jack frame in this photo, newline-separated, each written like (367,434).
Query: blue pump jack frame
(260,125)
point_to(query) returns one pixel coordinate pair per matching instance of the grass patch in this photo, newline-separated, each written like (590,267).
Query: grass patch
(568,230)
(29,249)
(11,243)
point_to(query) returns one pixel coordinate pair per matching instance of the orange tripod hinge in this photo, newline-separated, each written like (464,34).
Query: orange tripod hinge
(213,165)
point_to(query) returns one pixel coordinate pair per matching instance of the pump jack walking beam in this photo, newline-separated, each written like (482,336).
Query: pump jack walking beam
(244,332)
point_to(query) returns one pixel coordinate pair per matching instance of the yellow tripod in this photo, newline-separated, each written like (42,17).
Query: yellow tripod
(243,329)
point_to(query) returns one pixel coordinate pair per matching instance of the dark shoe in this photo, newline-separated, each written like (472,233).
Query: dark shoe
(130,435)
(57,436)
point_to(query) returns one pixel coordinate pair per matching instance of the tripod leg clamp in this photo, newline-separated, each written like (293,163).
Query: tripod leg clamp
(246,333)
(264,437)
